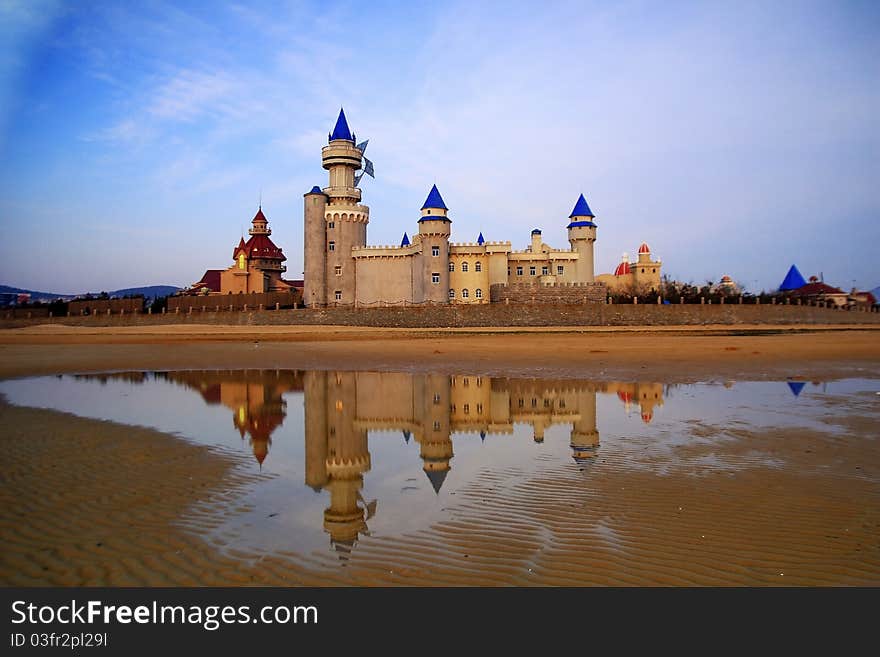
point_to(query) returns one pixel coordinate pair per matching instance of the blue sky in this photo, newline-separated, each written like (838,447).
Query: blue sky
(735,138)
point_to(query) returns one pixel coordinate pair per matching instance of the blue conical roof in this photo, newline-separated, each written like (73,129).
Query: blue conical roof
(405,240)
(341,130)
(316,190)
(434,200)
(793,280)
(581,209)
(480,239)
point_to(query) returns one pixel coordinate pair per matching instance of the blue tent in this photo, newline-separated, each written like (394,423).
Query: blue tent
(793,280)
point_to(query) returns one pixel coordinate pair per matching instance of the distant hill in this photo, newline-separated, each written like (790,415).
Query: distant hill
(35,296)
(149,291)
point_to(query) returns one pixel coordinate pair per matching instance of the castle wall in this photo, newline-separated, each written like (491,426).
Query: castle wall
(571,293)
(383,280)
(493,314)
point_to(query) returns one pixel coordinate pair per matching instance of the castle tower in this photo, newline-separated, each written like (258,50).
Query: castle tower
(342,224)
(434,229)
(646,272)
(582,236)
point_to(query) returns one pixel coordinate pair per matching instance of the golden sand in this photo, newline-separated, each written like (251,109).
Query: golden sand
(94,503)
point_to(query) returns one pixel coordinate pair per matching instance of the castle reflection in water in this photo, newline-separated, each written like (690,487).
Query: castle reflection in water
(341,408)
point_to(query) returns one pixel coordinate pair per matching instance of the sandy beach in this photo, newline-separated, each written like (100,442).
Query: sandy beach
(673,354)
(88,502)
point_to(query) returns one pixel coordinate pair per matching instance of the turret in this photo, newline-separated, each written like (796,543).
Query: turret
(434,229)
(582,236)
(536,240)
(315,248)
(644,254)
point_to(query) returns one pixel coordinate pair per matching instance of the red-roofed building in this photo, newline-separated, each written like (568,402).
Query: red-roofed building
(258,262)
(819,292)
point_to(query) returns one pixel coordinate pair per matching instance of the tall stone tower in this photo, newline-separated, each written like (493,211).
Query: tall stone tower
(335,224)
(582,236)
(434,229)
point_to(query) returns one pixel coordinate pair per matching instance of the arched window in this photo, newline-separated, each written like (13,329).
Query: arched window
(451,293)
(464,266)
(478,266)
(451,266)
(479,293)
(464,293)
(241,260)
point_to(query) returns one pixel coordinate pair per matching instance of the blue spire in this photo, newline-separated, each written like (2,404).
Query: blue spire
(793,280)
(405,240)
(480,239)
(434,200)
(341,130)
(316,190)
(581,209)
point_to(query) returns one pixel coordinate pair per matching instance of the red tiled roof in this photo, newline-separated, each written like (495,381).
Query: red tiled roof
(259,246)
(812,289)
(210,280)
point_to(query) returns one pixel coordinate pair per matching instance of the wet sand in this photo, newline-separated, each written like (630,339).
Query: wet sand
(95,503)
(671,354)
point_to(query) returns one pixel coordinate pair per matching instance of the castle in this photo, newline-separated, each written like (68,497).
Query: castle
(340,269)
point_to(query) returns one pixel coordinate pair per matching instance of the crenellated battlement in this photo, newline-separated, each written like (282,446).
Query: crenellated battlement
(477,244)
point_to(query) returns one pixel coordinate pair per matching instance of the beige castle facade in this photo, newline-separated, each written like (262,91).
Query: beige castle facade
(341,269)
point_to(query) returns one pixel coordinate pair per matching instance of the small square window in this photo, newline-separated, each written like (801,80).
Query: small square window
(435,277)
(435,250)
(337,270)
(531,271)
(331,224)
(338,295)
(519,271)
(331,246)
(560,270)
(545,270)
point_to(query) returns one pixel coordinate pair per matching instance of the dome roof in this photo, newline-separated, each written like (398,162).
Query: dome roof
(644,248)
(622,269)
